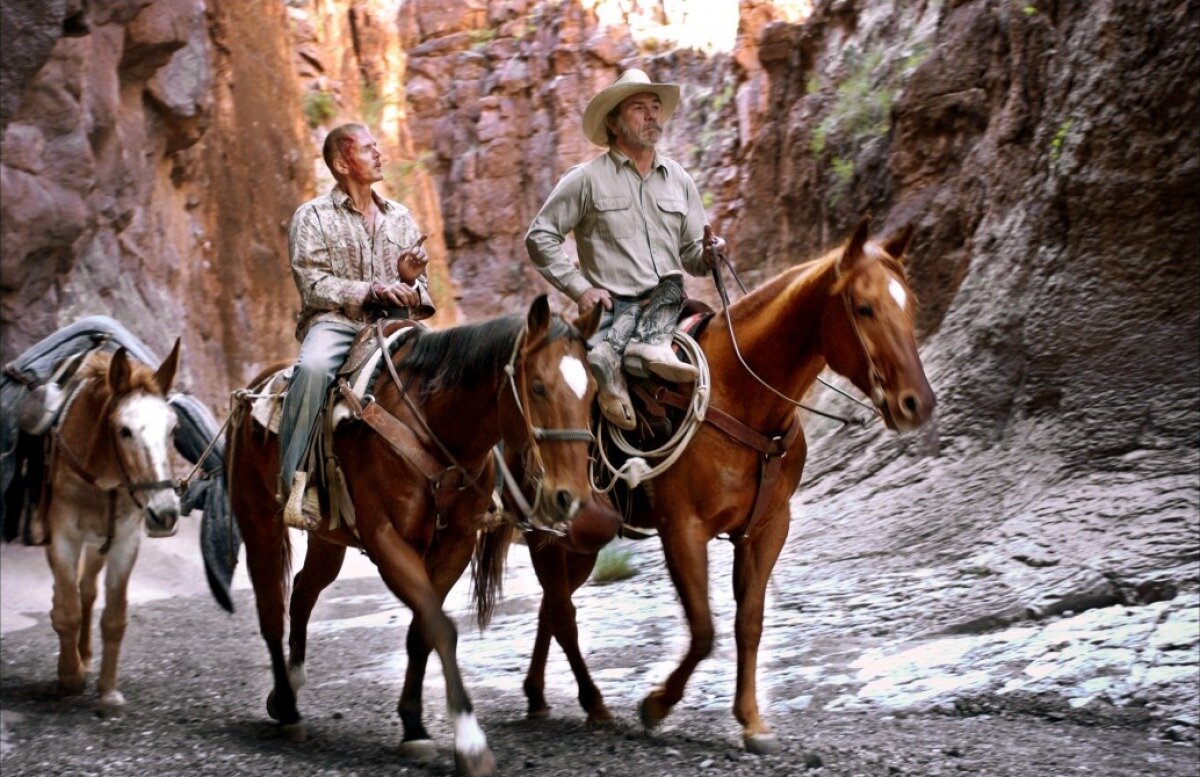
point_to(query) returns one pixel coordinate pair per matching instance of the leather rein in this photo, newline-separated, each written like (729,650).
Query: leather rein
(414,444)
(771,449)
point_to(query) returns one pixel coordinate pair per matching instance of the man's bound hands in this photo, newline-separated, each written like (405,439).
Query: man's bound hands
(384,295)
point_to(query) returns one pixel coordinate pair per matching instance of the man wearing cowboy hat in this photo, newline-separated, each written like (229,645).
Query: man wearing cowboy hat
(638,224)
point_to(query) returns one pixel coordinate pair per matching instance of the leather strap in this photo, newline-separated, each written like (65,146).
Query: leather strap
(772,449)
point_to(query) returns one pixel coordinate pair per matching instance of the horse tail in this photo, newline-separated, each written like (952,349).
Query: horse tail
(487,570)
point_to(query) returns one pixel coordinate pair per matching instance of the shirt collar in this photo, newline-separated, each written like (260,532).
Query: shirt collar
(342,199)
(620,159)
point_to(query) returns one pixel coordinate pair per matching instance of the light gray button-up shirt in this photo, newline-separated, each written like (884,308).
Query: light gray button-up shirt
(334,259)
(629,231)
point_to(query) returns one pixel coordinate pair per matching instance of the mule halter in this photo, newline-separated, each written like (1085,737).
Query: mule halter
(128,483)
(535,474)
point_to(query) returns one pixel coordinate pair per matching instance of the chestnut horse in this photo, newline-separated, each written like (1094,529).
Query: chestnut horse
(850,310)
(517,380)
(108,474)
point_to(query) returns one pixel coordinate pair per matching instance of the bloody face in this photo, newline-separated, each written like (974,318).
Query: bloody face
(360,154)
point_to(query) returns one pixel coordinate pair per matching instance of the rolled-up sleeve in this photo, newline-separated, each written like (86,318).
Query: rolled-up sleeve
(557,218)
(312,266)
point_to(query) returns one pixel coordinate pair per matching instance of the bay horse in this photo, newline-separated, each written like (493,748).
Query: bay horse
(520,380)
(108,474)
(850,310)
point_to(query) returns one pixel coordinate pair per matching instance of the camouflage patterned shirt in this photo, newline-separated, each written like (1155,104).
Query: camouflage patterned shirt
(334,259)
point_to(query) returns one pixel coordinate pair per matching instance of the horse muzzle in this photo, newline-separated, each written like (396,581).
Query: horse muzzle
(162,516)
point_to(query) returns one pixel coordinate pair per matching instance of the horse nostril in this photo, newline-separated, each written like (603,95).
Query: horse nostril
(910,404)
(563,500)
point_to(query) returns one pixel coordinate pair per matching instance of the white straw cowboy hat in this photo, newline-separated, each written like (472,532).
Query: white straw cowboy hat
(631,82)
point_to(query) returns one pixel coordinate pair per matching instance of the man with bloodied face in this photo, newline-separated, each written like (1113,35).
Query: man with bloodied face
(356,257)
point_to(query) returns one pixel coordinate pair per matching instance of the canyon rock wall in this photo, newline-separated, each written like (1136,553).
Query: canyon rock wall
(1046,152)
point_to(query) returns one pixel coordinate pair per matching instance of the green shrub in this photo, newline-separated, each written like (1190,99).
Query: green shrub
(613,564)
(318,108)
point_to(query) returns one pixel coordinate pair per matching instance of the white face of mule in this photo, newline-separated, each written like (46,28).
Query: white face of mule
(142,426)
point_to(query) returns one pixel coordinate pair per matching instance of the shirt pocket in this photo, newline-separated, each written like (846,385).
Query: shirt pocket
(615,218)
(673,214)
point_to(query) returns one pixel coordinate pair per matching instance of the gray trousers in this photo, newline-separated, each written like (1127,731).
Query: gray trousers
(650,319)
(322,354)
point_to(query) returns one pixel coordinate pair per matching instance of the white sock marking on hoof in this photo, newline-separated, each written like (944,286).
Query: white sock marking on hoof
(468,736)
(297,676)
(575,375)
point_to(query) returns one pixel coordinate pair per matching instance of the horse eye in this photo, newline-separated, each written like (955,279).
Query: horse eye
(126,433)
(539,388)
(864,309)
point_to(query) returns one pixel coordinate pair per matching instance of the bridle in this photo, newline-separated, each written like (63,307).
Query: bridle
(535,470)
(877,396)
(876,383)
(128,484)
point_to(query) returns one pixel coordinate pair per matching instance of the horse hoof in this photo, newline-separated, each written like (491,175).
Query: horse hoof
(295,732)
(599,718)
(419,750)
(763,744)
(480,764)
(113,700)
(274,713)
(650,714)
(71,686)
(541,713)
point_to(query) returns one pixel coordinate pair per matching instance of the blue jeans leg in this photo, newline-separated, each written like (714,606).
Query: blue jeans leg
(321,355)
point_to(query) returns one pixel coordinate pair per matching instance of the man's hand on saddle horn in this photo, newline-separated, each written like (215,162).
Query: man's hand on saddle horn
(412,261)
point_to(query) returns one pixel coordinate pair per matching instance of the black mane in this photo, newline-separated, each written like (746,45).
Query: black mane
(468,355)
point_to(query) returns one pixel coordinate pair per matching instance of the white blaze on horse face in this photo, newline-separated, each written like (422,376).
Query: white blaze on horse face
(150,421)
(575,375)
(897,290)
(468,736)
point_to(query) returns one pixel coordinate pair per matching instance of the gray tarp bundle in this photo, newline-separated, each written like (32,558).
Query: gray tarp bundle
(206,491)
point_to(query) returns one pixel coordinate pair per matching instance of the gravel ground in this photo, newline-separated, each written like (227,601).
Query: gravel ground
(196,680)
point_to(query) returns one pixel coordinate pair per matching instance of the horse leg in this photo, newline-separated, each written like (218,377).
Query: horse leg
(686,554)
(752,564)
(93,561)
(444,564)
(535,679)
(561,574)
(404,573)
(65,614)
(115,617)
(322,563)
(267,555)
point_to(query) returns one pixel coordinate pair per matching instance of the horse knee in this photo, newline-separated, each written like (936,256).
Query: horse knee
(702,642)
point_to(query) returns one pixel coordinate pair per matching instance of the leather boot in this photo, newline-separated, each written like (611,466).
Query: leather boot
(644,359)
(613,396)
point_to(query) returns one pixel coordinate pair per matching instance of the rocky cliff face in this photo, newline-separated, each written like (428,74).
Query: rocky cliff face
(1045,151)
(151,157)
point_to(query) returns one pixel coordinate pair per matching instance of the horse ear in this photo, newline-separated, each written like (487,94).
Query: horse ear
(165,375)
(538,320)
(897,244)
(854,249)
(119,372)
(588,325)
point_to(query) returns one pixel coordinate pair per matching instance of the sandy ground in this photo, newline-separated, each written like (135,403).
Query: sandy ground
(166,568)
